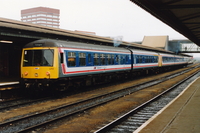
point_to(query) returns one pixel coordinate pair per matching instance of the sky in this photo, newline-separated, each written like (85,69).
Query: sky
(108,18)
(111,18)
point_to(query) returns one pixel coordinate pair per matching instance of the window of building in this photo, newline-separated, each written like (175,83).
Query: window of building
(55,16)
(41,15)
(49,15)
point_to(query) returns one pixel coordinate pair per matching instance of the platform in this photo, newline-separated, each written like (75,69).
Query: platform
(8,81)
(182,115)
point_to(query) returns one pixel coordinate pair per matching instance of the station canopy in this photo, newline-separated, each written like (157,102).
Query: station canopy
(181,15)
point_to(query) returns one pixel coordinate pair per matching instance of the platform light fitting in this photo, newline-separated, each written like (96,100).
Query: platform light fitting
(4,41)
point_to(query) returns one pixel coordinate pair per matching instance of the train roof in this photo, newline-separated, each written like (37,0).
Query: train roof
(70,44)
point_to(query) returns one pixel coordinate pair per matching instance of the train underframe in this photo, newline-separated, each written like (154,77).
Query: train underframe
(61,84)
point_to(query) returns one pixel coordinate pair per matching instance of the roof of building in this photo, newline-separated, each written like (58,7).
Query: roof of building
(155,41)
(18,25)
(182,15)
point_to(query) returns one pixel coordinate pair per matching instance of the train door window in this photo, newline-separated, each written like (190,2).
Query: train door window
(116,59)
(145,59)
(71,60)
(122,61)
(126,59)
(109,59)
(90,59)
(150,59)
(96,59)
(119,59)
(140,59)
(137,59)
(82,59)
(112,60)
(106,59)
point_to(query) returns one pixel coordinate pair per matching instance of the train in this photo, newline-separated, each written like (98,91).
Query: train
(58,65)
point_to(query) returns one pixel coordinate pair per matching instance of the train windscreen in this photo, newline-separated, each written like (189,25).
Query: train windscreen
(42,57)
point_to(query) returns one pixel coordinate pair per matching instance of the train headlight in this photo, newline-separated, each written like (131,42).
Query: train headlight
(36,74)
(48,73)
(26,73)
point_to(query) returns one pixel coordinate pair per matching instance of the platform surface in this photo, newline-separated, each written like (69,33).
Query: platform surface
(182,115)
(8,81)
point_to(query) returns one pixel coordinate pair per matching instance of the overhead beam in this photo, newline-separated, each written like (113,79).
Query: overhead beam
(168,7)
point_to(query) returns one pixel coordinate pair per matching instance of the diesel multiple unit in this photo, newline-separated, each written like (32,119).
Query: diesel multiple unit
(60,64)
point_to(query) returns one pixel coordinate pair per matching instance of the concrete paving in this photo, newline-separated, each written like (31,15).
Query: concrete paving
(182,115)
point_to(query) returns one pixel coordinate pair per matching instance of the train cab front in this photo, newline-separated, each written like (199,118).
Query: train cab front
(39,67)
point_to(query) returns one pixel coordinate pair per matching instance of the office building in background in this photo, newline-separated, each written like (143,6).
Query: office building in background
(41,16)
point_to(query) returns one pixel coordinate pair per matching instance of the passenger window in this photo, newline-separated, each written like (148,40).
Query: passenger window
(71,61)
(102,59)
(96,59)
(82,59)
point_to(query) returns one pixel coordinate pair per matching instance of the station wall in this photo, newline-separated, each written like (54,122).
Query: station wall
(10,56)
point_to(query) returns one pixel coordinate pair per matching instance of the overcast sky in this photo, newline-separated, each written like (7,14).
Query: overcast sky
(104,17)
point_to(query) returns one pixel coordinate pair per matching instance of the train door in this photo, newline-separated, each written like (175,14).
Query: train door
(159,60)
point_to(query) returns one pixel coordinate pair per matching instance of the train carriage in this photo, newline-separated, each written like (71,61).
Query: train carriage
(144,59)
(59,64)
(83,59)
(51,62)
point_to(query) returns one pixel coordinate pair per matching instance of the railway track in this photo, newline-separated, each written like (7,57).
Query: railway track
(35,120)
(16,103)
(132,120)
